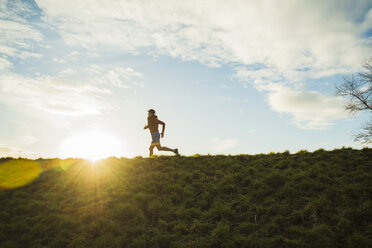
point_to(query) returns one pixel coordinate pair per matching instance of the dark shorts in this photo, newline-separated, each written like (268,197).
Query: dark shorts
(155,138)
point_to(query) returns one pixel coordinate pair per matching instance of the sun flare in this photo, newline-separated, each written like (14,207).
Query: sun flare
(91,145)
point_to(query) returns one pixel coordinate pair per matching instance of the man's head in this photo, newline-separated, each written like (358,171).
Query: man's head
(151,112)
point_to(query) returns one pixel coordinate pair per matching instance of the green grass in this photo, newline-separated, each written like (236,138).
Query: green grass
(318,199)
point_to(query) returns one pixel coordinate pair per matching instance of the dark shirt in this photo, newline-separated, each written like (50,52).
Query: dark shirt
(153,123)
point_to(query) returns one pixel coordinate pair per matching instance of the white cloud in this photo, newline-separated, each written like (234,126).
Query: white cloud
(5,64)
(18,37)
(261,79)
(286,36)
(16,9)
(310,110)
(94,70)
(68,71)
(221,145)
(73,56)
(121,77)
(25,54)
(6,50)
(324,37)
(54,95)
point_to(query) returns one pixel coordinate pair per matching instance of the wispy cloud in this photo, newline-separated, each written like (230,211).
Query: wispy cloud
(94,70)
(5,64)
(72,56)
(121,77)
(18,37)
(68,71)
(54,95)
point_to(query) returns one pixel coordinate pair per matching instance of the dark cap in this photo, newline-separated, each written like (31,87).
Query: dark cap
(152,111)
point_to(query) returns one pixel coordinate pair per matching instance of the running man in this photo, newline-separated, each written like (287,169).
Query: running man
(152,124)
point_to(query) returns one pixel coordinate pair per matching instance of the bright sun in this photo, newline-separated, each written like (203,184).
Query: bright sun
(92,145)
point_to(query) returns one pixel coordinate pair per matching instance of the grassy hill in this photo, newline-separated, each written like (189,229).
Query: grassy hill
(319,199)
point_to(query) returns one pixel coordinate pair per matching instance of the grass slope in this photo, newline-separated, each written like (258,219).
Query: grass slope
(319,199)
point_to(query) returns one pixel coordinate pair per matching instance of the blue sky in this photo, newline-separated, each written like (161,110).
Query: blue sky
(227,77)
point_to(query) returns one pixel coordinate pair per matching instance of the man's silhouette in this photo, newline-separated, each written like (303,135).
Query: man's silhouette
(152,124)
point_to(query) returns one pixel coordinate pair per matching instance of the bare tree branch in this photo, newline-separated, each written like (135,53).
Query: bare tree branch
(364,136)
(358,88)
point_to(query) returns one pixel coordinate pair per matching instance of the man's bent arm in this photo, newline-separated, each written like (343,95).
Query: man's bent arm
(163,124)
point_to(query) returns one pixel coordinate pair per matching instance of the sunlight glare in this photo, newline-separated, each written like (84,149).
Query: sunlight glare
(91,145)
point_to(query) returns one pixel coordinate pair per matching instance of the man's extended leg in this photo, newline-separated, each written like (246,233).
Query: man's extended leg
(164,148)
